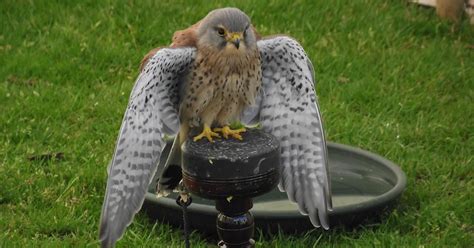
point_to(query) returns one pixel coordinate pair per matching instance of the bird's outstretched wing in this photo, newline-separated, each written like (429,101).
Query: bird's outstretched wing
(152,112)
(288,109)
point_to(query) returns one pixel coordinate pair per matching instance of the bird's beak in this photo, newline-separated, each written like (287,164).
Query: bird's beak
(235,39)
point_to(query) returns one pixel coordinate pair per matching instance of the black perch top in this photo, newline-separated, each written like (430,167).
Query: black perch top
(230,167)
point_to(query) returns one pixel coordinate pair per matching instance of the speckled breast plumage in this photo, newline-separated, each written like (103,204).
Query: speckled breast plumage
(219,89)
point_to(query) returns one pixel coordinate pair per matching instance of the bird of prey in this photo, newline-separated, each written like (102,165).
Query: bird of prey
(216,72)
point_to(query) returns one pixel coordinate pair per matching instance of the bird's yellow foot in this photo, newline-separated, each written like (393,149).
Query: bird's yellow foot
(226,132)
(208,133)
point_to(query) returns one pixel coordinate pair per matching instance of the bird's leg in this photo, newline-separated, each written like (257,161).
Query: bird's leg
(223,119)
(227,131)
(208,133)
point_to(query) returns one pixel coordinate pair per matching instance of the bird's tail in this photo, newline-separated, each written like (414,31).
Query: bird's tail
(171,173)
(183,133)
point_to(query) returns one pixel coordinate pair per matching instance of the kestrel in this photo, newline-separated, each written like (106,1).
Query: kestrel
(216,72)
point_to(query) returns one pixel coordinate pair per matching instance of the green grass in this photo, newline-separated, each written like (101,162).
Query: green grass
(393,79)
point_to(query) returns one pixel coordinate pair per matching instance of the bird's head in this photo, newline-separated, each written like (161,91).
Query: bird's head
(227,30)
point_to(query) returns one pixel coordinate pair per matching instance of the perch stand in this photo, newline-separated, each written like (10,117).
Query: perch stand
(231,172)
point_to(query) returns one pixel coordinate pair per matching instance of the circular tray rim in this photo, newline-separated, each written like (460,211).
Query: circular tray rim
(377,202)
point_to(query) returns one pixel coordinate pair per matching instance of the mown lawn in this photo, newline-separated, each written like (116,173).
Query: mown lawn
(393,79)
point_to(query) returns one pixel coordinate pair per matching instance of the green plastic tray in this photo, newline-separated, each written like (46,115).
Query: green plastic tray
(364,186)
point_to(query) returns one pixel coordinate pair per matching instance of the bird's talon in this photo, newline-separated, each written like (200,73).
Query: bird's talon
(226,132)
(208,133)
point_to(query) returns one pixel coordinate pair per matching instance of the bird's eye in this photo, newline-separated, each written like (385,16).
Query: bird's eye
(220,31)
(246,30)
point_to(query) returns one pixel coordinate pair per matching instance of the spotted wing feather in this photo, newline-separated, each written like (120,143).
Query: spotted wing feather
(151,113)
(288,109)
